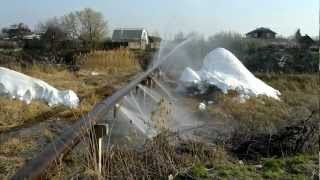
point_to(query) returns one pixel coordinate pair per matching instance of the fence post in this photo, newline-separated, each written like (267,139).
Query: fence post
(99,131)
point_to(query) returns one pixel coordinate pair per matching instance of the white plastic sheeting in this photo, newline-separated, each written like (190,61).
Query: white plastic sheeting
(224,70)
(189,77)
(25,88)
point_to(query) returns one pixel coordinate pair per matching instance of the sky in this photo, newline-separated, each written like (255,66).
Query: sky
(168,17)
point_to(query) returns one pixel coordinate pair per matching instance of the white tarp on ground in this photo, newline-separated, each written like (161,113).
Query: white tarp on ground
(25,88)
(225,71)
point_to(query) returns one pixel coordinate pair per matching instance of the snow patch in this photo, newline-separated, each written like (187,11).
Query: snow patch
(224,70)
(25,88)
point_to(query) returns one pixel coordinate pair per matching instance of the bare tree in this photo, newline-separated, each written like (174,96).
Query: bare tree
(86,25)
(93,25)
(52,22)
(71,25)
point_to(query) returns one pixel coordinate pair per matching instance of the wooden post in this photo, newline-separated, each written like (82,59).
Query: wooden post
(151,83)
(115,111)
(100,155)
(144,98)
(99,131)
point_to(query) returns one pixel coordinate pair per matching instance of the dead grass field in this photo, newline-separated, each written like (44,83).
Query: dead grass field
(165,155)
(25,129)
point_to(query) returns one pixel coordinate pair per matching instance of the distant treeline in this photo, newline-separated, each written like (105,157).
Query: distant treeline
(86,28)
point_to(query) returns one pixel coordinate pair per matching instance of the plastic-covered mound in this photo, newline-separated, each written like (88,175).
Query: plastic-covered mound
(190,77)
(224,70)
(25,88)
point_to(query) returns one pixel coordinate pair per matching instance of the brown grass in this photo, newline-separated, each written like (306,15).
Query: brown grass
(9,162)
(109,60)
(158,160)
(15,113)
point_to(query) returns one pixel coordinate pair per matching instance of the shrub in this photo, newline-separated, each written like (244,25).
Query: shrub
(199,171)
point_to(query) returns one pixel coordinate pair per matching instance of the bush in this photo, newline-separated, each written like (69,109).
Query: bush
(199,171)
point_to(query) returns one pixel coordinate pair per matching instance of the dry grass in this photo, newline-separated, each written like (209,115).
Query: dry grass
(15,113)
(109,60)
(8,165)
(158,160)
(9,162)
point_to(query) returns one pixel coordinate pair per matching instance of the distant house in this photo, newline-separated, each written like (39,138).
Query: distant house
(306,41)
(154,42)
(17,31)
(31,36)
(263,33)
(131,38)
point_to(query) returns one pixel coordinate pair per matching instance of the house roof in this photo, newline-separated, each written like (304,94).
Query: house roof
(306,39)
(127,34)
(262,29)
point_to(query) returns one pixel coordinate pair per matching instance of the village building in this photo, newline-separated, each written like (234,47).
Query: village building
(32,36)
(262,33)
(130,38)
(154,42)
(17,31)
(306,41)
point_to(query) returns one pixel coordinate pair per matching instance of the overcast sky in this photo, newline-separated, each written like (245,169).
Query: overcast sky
(171,16)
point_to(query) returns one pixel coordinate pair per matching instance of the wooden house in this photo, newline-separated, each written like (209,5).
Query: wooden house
(262,33)
(154,42)
(130,38)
